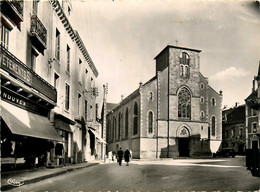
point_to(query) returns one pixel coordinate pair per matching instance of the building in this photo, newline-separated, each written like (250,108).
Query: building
(48,92)
(253,127)
(234,129)
(176,113)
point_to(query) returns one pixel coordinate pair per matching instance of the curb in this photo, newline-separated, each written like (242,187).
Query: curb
(37,179)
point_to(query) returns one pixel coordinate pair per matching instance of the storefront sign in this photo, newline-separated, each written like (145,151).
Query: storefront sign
(17,69)
(19,100)
(14,68)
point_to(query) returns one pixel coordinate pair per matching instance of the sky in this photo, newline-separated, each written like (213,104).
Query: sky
(123,38)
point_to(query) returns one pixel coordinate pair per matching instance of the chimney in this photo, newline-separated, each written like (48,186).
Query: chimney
(140,84)
(122,98)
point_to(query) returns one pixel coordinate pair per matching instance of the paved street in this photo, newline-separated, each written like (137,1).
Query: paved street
(160,175)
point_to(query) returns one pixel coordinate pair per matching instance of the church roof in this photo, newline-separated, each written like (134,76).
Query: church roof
(111,106)
(177,47)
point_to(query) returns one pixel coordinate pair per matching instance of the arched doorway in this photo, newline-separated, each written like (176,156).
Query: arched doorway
(184,142)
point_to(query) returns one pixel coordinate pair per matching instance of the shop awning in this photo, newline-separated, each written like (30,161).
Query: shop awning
(22,122)
(97,136)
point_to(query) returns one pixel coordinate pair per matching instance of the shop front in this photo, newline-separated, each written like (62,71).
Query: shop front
(26,138)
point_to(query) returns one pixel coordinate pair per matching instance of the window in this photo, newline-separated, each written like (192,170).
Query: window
(184,65)
(80,71)
(232,133)
(35,7)
(254,125)
(184,103)
(213,126)
(150,122)
(79,101)
(5,37)
(114,130)
(254,112)
(56,80)
(150,98)
(119,126)
(202,99)
(202,86)
(68,59)
(57,48)
(213,102)
(126,122)
(67,96)
(201,128)
(202,115)
(69,10)
(135,118)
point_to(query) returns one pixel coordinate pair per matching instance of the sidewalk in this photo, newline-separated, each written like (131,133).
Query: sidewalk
(25,177)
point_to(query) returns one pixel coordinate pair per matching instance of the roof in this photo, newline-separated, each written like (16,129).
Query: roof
(177,47)
(111,106)
(152,79)
(253,95)
(234,115)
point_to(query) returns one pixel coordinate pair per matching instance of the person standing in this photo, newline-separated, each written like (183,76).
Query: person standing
(120,154)
(127,156)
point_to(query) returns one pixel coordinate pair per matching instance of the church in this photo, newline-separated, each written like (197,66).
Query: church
(174,114)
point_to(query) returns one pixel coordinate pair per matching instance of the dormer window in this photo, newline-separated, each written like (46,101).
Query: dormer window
(184,65)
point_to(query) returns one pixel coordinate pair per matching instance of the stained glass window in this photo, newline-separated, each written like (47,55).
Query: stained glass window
(184,103)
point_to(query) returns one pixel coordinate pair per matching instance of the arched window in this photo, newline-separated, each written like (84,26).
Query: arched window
(213,125)
(126,122)
(184,65)
(119,126)
(135,118)
(184,103)
(150,122)
(108,136)
(114,130)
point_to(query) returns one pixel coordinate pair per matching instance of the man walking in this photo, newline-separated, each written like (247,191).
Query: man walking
(120,154)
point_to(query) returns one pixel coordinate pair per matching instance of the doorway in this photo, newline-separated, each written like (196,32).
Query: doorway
(184,147)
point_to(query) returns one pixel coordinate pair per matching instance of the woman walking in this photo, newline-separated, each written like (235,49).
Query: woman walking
(127,156)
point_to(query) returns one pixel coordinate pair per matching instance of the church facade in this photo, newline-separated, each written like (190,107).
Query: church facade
(175,114)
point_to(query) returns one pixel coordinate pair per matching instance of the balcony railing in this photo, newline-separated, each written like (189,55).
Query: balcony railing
(13,9)
(19,70)
(38,34)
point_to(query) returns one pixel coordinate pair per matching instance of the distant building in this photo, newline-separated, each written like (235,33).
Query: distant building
(48,92)
(176,113)
(253,127)
(234,129)
(252,114)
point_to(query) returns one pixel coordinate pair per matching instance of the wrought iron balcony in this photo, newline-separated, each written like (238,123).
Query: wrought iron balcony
(19,70)
(13,10)
(38,34)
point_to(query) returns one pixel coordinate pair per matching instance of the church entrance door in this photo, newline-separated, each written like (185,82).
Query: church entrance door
(183,146)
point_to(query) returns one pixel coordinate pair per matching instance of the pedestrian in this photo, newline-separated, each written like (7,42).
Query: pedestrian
(109,156)
(127,157)
(130,155)
(120,155)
